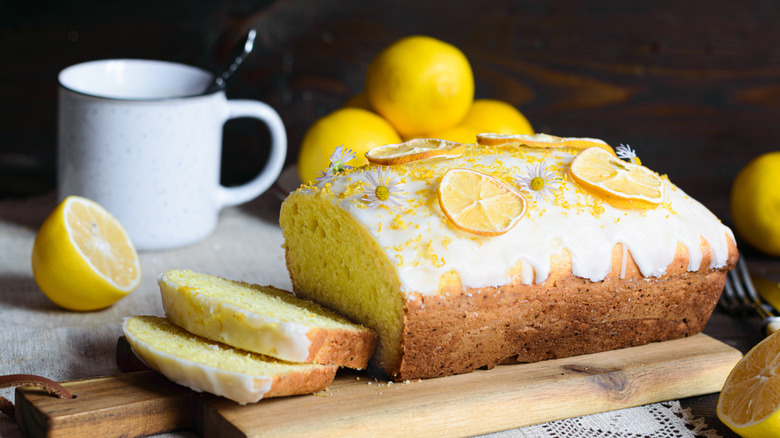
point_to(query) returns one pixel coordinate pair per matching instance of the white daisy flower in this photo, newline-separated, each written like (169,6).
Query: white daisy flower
(625,152)
(539,181)
(324,175)
(383,188)
(338,160)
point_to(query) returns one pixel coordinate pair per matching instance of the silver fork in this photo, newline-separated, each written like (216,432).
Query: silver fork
(739,297)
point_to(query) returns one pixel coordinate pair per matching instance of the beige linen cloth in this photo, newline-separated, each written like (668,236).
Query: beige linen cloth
(40,338)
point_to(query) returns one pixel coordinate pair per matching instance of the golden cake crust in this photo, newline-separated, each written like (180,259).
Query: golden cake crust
(302,383)
(561,317)
(348,348)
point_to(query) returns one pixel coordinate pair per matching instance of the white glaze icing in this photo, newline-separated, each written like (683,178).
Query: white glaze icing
(423,245)
(200,377)
(210,317)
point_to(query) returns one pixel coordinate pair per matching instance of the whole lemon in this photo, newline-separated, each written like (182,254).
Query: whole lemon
(354,128)
(755,203)
(420,84)
(486,115)
(489,115)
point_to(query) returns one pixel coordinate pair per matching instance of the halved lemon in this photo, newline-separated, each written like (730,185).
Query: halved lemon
(542,141)
(622,184)
(749,403)
(83,259)
(413,150)
(479,203)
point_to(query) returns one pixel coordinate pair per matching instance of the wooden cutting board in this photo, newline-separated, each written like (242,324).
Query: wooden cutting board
(357,404)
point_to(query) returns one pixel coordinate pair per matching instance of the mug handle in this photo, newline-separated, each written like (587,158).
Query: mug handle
(228,196)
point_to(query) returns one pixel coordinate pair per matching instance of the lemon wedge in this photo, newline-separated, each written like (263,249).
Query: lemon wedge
(749,403)
(83,259)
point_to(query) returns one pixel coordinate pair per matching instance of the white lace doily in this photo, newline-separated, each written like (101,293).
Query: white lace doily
(659,420)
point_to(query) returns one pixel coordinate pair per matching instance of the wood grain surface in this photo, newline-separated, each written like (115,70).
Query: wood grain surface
(125,405)
(693,86)
(357,404)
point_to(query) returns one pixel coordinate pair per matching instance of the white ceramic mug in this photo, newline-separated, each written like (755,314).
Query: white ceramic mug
(140,138)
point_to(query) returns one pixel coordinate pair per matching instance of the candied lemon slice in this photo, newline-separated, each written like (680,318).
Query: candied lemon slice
(413,150)
(749,403)
(542,141)
(479,203)
(622,184)
(83,259)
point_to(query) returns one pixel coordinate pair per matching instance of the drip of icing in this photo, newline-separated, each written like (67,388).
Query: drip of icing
(623,262)
(424,245)
(528,273)
(239,387)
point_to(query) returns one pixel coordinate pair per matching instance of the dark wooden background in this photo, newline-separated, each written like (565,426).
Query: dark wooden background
(694,86)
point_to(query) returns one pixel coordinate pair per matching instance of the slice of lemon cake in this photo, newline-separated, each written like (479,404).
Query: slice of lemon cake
(513,248)
(204,365)
(264,320)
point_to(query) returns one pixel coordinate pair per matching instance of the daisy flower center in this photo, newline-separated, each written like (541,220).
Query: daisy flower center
(382,193)
(537,183)
(384,189)
(339,166)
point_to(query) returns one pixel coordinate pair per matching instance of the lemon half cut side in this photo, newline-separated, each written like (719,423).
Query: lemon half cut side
(749,403)
(83,259)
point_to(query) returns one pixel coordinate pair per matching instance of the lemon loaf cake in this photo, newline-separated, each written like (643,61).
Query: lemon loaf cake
(263,319)
(204,365)
(524,248)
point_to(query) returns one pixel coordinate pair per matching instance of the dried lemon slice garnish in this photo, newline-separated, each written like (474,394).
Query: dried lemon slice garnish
(479,203)
(413,150)
(622,184)
(542,141)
